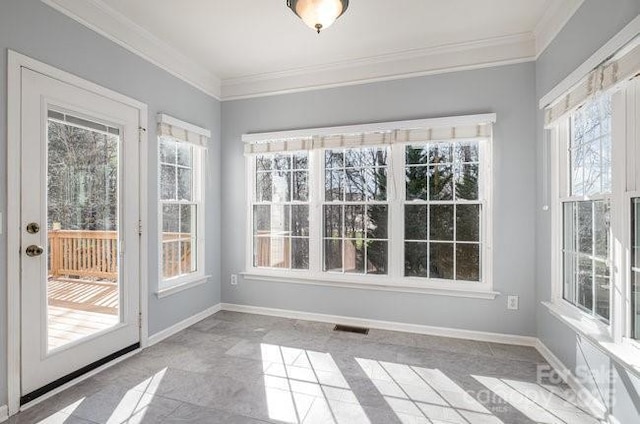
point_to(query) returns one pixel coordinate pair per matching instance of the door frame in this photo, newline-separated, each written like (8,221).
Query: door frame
(15,63)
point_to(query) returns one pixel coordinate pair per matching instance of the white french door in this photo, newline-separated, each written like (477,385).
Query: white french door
(80,244)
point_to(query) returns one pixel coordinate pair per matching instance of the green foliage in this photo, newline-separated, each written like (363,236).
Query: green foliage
(430,175)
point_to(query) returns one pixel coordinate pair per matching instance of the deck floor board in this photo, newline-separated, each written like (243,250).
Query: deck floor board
(79,308)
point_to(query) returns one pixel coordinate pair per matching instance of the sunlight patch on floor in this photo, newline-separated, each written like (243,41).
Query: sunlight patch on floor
(420,395)
(304,386)
(135,403)
(536,402)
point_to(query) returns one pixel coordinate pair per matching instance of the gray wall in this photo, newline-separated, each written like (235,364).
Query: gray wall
(522,230)
(32,28)
(591,27)
(507,91)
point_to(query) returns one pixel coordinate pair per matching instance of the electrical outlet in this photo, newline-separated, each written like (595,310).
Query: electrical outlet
(234,279)
(512,302)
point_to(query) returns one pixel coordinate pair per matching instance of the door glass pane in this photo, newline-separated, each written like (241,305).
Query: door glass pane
(82,223)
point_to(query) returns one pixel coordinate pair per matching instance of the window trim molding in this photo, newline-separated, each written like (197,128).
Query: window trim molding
(168,286)
(182,283)
(394,280)
(356,282)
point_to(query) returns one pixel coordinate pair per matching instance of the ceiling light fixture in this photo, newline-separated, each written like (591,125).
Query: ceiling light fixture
(318,14)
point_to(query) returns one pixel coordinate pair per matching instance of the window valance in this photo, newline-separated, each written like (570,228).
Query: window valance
(182,131)
(471,127)
(623,66)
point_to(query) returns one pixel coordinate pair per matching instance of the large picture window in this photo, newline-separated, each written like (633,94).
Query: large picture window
(406,207)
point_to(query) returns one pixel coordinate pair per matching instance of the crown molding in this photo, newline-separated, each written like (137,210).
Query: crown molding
(113,25)
(103,19)
(411,63)
(553,20)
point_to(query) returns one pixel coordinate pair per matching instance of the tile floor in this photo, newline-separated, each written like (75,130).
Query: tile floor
(237,368)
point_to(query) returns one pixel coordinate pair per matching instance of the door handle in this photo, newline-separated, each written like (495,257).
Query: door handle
(33,228)
(34,250)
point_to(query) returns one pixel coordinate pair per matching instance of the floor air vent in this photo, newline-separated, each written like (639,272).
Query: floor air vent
(350,329)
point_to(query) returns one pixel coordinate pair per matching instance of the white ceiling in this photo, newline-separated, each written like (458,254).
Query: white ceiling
(249,41)
(236,38)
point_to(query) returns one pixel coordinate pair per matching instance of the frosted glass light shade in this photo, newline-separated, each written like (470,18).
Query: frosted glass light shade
(318,14)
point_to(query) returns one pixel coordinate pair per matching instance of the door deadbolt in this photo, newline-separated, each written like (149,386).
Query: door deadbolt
(33,228)
(34,250)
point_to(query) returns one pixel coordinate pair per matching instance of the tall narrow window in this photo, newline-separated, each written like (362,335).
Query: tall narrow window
(442,211)
(586,210)
(281,211)
(355,236)
(635,268)
(181,209)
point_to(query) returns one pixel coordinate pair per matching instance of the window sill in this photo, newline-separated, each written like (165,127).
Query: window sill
(182,284)
(597,333)
(333,281)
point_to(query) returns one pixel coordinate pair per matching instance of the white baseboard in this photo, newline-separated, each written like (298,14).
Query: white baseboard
(597,408)
(4,413)
(176,328)
(386,325)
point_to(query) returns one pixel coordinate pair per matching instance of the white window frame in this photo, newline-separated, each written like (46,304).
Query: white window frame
(169,286)
(394,280)
(251,201)
(625,185)
(484,200)
(626,325)
(560,192)
(627,127)
(564,195)
(342,204)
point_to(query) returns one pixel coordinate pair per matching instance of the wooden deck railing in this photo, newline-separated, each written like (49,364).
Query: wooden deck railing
(176,254)
(272,252)
(83,253)
(94,254)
